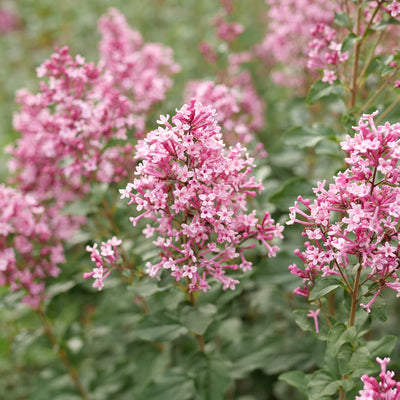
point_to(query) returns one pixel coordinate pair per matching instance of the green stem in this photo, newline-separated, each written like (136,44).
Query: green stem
(325,314)
(356,51)
(388,109)
(377,93)
(193,300)
(62,354)
(369,59)
(354,296)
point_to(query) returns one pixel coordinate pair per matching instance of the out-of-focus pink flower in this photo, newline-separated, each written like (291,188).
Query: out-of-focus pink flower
(141,71)
(233,115)
(325,53)
(227,31)
(394,8)
(9,21)
(286,43)
(29,252)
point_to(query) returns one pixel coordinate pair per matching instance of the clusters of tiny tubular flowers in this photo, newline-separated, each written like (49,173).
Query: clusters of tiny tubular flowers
(356,219)
(325,53)
(232,114)
(74,129)
(386,389)
(106,260)
(29,252)
(142,71)
(195,191)
(286,43)
(296,44)
(394,8)
(66,129)
(227,31)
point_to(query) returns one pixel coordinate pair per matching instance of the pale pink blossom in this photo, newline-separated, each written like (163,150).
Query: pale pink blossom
(106,261)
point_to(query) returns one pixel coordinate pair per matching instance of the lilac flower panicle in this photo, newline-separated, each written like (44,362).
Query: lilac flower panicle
(142,71)
(105,258)
(194,191)
(237,120)
(286,43)
(386,389)
(29,252)
(356,218)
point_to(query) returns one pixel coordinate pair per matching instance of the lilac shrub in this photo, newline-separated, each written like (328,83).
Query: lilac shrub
(195,191)
(75,130)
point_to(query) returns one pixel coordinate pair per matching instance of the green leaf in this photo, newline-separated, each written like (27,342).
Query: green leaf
(255,356)
(348,42)
(174,385)
(212,373)
(381,25)
(79,208)
(323,286)
(322,90)
(289,190)
(197,319)
(342,19)
(379,309)
(344,355)
(359,362)
(338,335)
(161,326)
(382,347)
(57,288)
(297,379)
(322,385)
(309,136)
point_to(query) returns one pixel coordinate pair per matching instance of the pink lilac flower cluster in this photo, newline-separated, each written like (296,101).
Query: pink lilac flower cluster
(232,111)
(286,43)
(195,191)
(227,31)
(74,130)
(29,253)
(9,21)
(356,218)
(142,71)
(386,389)
(106,260)
(228,5)
(66,129)
(325,53)
(394,8)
